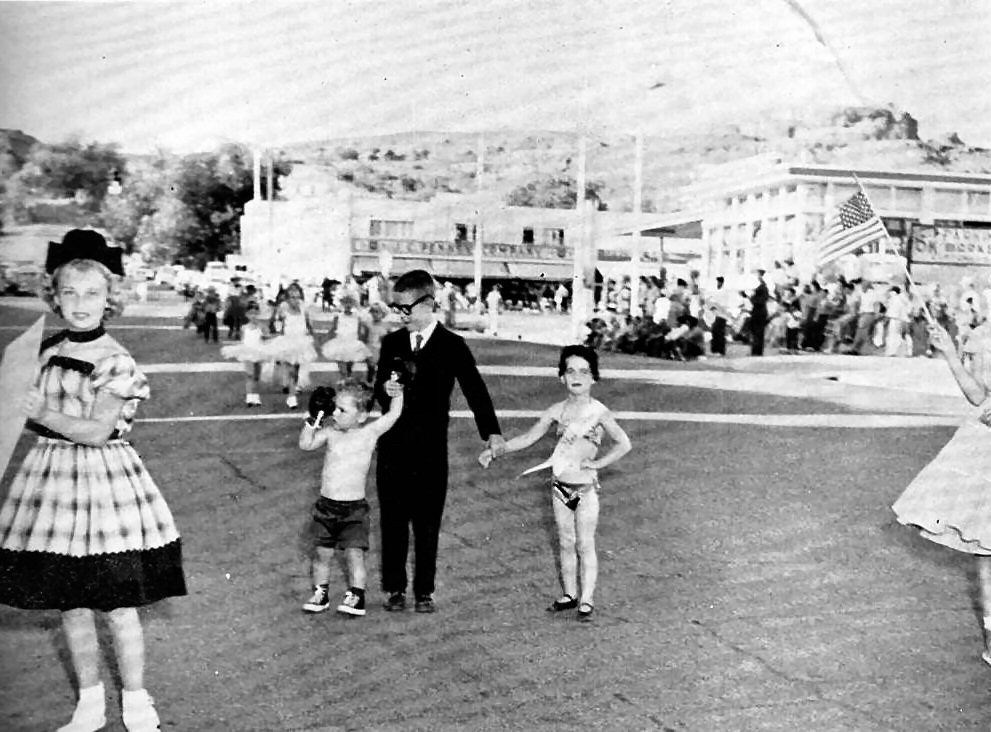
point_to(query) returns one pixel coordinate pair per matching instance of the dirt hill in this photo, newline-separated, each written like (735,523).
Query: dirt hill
(419,164)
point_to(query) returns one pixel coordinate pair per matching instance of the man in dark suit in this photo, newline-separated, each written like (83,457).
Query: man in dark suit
(412,456)
(758,315)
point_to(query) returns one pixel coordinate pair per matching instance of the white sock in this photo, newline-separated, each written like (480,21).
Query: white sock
(92,695)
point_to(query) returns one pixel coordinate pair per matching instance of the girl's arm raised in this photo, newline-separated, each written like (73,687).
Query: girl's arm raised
(621,444)
(975,391)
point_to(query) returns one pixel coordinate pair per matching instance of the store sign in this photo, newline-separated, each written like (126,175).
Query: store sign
(422,248)
(622,255)
(938,245)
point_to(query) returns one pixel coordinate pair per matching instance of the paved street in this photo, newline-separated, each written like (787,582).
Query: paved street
(752,576)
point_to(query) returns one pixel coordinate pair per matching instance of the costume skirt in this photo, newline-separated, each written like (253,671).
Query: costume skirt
(292,349)
(950,499)
(86,527)
(340,349)
(246,352)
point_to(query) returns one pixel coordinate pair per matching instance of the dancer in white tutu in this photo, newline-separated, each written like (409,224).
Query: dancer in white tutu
(950,499)
(252,351)
(293,345)
(376,328)
(344,345)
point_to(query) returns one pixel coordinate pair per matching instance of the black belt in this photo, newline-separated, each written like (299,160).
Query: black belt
(42,431)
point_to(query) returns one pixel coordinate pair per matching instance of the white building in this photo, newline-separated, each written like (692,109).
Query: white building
(318,229)
(752,213)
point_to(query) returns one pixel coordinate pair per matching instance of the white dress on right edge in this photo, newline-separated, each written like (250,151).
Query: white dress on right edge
(949,501)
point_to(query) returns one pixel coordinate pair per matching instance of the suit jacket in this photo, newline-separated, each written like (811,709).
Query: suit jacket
(444,359)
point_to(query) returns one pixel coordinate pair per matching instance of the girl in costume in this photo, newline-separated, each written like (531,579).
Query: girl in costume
(374,331)
(949,500)
(293,345)
(581,423)
(251,351)
(84,527)
(344,345)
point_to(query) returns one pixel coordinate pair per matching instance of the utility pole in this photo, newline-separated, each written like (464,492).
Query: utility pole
(637,224)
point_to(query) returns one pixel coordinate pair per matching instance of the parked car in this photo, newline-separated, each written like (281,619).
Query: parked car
(25,279)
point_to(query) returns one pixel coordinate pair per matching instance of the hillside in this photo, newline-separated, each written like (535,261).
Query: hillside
(419,164)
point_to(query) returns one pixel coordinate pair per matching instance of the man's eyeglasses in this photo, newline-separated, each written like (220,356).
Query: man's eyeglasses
(408,309)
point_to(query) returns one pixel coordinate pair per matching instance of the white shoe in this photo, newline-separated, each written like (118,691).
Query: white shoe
(292,402)
(139,712)
(253,400)
(90,714)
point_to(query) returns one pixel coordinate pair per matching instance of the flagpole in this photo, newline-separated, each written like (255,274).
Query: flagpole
(889,243)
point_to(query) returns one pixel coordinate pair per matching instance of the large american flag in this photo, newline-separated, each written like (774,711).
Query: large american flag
(851,225)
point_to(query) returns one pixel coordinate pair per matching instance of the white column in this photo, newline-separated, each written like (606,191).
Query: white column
(580,294)
(479,175)
(256,174)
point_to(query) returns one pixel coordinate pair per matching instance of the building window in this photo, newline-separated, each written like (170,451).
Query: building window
(946,200)
(528,235)
(463,233)
(879,196)
(978,202)
(382,229)
(552,237)
(815,194)
(908,199)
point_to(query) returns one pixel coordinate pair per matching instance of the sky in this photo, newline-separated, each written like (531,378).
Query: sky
(190,75)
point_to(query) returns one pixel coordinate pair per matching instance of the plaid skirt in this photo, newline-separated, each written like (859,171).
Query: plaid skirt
(86,527)
(950,499)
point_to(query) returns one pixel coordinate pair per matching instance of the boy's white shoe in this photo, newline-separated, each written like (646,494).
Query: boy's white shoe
(90,713)
(253,400)
(139,712)
(292,402)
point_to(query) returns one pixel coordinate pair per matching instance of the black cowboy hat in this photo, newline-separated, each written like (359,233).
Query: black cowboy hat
(83,244)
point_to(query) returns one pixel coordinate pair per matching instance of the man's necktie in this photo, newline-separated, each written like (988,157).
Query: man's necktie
(419,343)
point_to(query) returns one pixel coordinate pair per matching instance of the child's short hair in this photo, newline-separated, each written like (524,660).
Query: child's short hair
(115,289)
(581,351)
(416,280)
(357,390)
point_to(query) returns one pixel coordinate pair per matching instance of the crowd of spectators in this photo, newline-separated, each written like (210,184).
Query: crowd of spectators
(828,314)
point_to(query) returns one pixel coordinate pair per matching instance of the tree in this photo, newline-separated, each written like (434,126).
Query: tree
(70,169)
(214,187)
(551,192)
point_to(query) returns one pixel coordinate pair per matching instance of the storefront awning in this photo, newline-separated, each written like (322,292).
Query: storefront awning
(465,269)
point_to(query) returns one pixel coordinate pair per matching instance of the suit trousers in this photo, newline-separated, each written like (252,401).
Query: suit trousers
(412,490)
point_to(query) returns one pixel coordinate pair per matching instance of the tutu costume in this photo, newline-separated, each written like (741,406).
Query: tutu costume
(251,350)
(294,346)
(950,499)
(85,526)
(345,346)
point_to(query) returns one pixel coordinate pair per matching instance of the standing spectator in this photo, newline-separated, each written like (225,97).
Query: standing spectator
(235,310)
(211,309)
(866,318)
(897,312)
(758,315)
(662,308)
(560,298)
(720,309)
(448,304)
(326,294)
(493,302)
(413,461)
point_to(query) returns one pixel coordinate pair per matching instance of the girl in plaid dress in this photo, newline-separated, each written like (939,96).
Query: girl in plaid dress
(950,500)
(84,527)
